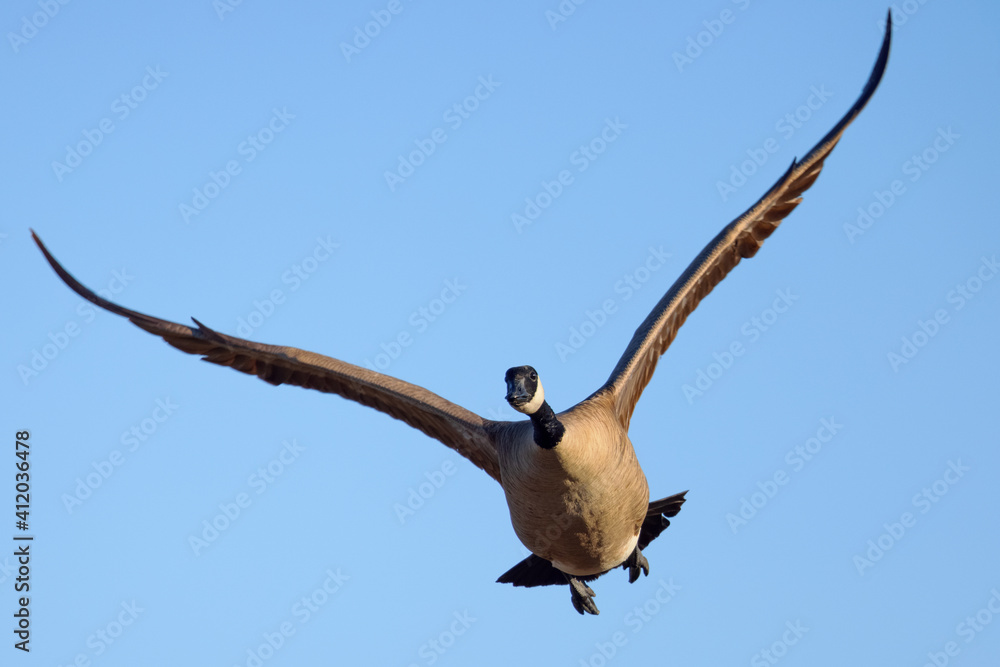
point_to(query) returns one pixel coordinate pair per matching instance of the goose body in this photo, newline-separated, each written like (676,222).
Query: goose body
(582,503)
(578,498)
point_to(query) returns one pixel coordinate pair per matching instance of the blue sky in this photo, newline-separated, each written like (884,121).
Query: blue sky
(466,189)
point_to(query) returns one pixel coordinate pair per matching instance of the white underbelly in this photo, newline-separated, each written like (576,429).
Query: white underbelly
(614,559)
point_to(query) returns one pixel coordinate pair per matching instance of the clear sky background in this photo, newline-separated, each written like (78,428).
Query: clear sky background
(278,142)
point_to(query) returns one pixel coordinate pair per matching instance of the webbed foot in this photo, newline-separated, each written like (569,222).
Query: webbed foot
(634,563)
(582,595)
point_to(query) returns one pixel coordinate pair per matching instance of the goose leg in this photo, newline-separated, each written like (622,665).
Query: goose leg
(634,563)
(582,596)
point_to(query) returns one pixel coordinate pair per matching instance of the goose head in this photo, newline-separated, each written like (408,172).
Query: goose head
(524,389)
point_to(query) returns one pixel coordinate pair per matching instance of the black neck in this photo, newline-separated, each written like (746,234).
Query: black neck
(548,430)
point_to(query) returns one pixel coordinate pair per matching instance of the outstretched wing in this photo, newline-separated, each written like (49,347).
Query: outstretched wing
(460,429)
(740,238)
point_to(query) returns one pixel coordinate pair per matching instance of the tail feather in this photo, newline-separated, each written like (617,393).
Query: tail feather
(668,506)
(656,517)
(533,571)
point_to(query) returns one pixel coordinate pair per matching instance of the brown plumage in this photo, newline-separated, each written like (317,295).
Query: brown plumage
(582,503)
(577,496)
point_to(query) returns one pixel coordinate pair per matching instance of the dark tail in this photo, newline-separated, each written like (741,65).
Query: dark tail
(656,517)
(533,571)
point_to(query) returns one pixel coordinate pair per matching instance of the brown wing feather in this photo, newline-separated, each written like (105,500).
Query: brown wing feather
(460,429)
(741,238)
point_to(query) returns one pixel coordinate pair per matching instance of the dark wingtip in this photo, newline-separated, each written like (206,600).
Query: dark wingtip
(873,80)
(866,93)
(88,294)
(70,281)
(41,246)
(883,57)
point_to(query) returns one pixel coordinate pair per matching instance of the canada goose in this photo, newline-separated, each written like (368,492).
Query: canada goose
(577,496)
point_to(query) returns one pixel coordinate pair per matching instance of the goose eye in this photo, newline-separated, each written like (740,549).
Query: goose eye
(534,375)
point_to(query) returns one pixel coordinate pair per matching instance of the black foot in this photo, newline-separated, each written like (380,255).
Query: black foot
(634,563)
(583,596)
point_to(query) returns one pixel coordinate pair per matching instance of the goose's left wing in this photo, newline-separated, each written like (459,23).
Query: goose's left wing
(741,238)
(458,428)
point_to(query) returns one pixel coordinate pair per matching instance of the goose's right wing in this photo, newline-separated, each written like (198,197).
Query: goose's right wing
(739,239)
(462,430)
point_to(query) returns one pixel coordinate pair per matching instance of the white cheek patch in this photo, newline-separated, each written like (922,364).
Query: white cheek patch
(531,407)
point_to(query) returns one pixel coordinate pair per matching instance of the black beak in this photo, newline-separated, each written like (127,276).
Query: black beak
(517,394)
